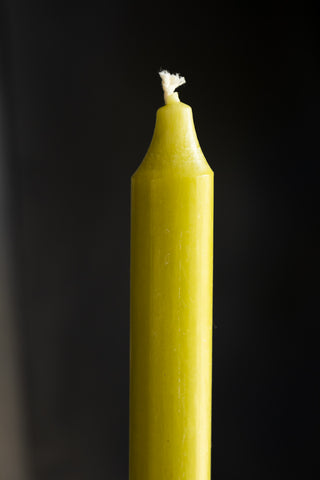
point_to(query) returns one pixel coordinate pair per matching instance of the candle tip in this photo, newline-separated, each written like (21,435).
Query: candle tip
(170,81)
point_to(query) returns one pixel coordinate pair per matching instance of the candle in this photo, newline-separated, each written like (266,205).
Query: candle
(171,301)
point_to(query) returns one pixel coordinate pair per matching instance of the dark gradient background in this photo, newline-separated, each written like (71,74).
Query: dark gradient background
(78,96)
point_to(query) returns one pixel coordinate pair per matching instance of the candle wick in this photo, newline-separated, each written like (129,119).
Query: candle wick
(171,81)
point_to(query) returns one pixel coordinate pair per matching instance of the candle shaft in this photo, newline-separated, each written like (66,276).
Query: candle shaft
(171,304)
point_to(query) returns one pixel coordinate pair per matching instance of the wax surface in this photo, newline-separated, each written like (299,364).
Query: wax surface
(171,304)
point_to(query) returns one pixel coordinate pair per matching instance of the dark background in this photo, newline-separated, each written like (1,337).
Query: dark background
(79,91)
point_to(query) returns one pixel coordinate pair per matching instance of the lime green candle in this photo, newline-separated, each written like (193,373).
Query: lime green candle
(171,301)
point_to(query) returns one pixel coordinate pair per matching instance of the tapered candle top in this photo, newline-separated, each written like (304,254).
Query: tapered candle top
(170,82)
(174,145)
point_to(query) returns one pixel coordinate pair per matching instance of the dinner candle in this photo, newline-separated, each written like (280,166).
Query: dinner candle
(171,301)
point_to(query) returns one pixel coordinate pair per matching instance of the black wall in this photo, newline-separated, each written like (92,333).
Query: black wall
(79,91)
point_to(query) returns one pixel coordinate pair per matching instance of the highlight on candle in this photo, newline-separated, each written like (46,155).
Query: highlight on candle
(171,300)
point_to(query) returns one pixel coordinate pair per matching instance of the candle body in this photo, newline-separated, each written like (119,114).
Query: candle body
(171,305)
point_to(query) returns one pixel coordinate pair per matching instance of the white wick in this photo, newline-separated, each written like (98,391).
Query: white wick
(170,82)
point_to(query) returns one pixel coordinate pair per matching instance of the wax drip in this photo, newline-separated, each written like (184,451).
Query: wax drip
(171,81)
